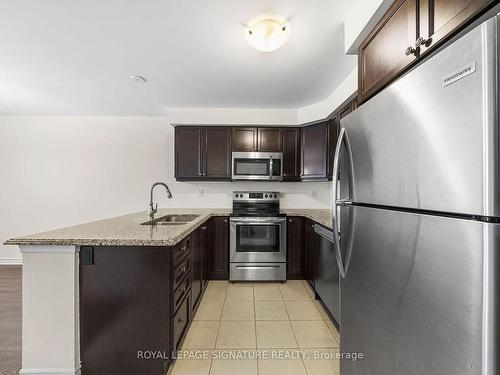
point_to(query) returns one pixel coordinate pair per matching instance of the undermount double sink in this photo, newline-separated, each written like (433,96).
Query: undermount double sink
(174,219)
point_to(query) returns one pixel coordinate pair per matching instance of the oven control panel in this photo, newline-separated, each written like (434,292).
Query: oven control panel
(256,196)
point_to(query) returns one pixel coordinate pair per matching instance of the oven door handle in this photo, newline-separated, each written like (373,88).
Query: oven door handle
(255,221)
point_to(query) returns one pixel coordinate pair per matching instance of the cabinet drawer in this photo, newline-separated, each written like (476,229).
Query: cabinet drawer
(179,323)
(180,292)
(180,250)
(181,270)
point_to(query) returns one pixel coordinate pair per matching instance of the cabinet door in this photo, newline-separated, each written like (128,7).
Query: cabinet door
(333,134)
(196,267)
(219,249)
(295,249)
(291,154)
(269,139)
(244,139)
(314,146)
(309,257)
(217,153)
(188,153)
(205,248)
(389,48)
(438,18)
(115,307)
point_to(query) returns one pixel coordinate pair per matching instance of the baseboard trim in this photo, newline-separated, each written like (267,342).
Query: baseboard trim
(50,371)
(11,261)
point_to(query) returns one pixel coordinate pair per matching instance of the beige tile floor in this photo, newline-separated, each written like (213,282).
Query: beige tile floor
(272,328)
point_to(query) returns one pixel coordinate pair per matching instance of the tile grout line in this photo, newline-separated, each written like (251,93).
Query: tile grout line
(294,335)
(255,325)
(218,328)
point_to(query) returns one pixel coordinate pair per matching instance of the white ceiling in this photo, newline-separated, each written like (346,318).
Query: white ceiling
(74,57)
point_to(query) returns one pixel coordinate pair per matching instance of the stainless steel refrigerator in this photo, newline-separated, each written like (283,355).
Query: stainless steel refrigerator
(417,217)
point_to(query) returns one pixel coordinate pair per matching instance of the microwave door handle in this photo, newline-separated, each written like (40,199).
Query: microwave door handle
(271,167)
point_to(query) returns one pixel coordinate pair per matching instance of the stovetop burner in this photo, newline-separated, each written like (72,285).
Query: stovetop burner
(256,204)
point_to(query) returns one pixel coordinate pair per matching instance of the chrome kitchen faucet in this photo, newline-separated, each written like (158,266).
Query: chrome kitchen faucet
(152,207)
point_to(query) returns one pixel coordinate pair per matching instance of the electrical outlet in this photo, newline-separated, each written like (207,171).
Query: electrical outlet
(315,194)
(202,192)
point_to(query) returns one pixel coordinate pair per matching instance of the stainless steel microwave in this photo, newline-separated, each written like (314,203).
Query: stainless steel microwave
(257,166)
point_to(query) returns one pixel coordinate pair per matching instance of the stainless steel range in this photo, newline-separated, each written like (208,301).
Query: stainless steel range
(257,241)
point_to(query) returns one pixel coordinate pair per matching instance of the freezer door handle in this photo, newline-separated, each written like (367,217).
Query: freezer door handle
(340,202)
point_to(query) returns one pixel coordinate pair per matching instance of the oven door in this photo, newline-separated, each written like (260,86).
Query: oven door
(257,166)
(255,240)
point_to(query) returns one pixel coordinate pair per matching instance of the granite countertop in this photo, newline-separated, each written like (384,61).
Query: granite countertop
(127,230)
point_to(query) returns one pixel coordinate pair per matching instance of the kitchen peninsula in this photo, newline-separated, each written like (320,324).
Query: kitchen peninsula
(88,286)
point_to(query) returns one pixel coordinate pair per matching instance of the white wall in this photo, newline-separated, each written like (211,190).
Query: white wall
(60,171)
(319,111)
(362,18)
(232,116)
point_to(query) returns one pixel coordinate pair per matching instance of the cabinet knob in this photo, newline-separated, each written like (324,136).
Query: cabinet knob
(204,227)
(410,50)
(183,269)
(421,42)
(225,220)
(179,320)
(289,220)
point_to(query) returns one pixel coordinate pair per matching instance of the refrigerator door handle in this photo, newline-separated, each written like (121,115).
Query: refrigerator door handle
(340,202)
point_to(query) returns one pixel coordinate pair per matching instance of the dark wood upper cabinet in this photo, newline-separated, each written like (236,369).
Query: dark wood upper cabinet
(217,153)
(291,154)
(269,139)
(218,262)
(257,139)
(244,139)
(333,134)
(439,18)
(408,30)
(188,153)
(389,48)
(314,155)
(202,153)
(295,250)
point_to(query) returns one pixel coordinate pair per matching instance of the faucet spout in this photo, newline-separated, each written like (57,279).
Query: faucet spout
(153,208)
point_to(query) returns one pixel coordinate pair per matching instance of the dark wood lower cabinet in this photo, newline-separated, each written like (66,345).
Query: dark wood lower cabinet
(310,255)
(205,251)
(136,303)
(124,309)
(218,262)
(295,248)
(197,281)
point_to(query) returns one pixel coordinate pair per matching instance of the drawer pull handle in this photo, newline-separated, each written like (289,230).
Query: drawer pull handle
(255,267)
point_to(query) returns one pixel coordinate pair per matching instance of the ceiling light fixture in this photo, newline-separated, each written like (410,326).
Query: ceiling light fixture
(267,33)
(139,79)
